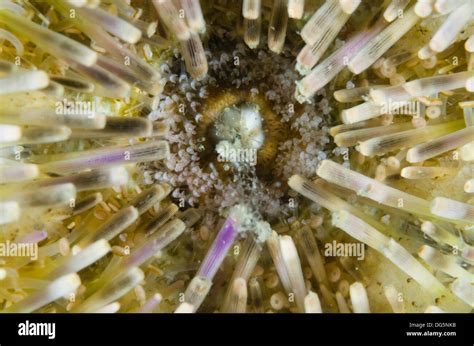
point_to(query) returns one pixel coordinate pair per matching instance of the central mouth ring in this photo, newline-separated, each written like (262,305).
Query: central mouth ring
(237,134)
(241,130)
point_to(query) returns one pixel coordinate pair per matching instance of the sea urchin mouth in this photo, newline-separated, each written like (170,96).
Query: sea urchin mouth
(245,122)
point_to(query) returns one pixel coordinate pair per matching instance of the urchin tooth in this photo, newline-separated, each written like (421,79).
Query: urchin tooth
(53,89)
(334,131)
(469,186)
(370,188)
(432,85)
(111,308)
(393,297)
(17,172)
(364,111)
(256,296)
(389,248)
(426,52)
(115,73)
(394,9)
(23,81)
(446,6)
(452,26)
(328,298)
(375,48)
(468,111)
(9,133)
(307,242)
(160,219)
(159,240)
(422,172)
(103,157)
(145,250)
(407,263)
(252,30)
(73,83)
(247,260)
(57,190)
(46,196)
(88,180)
(58,288)
(274,249)
(312,303)
(84,3)
(445,263)
(295,9)
(106,83)
(351,138)
(469,44)
(218,249)
(52,42)
(194,17)
(341,303)
(328,19)
(251,9)
(149,197)
(359,230)
(423,8)
(184,308)
(170,15)
(135,64)
(452,209)
(113,24)
(151,304)
(84,258)
(87,203)
(434,310)
(466,152)
(315,193)
(118,127)
(277,26)
(463,289)
(324,72)
(39,134)
(322,29)
(441,235)
(111,291)
(194,56)
(112,227)
(237,301)
(393,94)
(53,115)
(195,294)
(435,147)
(147,28)
(405,139)
(9,212)
(355,94)
(293,265)
(359,299)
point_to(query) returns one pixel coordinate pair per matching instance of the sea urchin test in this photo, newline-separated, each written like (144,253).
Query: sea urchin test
(201,156)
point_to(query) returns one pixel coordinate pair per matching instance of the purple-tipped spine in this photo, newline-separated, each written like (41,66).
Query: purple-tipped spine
(219,248)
